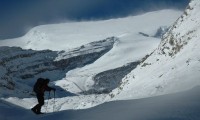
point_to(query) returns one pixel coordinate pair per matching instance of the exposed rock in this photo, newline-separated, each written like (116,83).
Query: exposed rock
(161,31)
(24,66)
(106,81)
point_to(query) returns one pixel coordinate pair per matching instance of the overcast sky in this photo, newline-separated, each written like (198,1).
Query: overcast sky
(18,16)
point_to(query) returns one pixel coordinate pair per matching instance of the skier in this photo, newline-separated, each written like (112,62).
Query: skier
(39,88)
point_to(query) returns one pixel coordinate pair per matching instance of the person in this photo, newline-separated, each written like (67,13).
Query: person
(39,88)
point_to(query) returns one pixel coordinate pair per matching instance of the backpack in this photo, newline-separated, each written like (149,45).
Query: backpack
(38,85)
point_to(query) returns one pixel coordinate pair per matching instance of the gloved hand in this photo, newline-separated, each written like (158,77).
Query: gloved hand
(53,89)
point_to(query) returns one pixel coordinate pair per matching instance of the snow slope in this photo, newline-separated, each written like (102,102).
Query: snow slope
(181,106)
(173,66)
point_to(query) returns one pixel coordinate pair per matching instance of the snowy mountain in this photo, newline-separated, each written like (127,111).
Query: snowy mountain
(175,64)
(73,39)
(98,61)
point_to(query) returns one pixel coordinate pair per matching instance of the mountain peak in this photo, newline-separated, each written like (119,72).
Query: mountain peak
(183,30)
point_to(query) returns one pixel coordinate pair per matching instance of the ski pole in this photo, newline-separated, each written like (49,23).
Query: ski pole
(54,101)
(47,102)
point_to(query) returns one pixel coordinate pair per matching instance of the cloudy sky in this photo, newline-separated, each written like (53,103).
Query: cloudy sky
(18,16)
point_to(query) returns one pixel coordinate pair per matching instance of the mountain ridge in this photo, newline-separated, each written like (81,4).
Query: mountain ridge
(173,66)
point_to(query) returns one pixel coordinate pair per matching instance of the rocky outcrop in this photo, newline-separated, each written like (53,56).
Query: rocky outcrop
(106,81)
(161,31)
(178,36)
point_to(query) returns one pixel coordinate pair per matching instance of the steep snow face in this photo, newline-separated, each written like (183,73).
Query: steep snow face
(70,35)
(173,66)
(185,28)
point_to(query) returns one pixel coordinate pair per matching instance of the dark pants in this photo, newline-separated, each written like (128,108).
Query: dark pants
(37,108)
